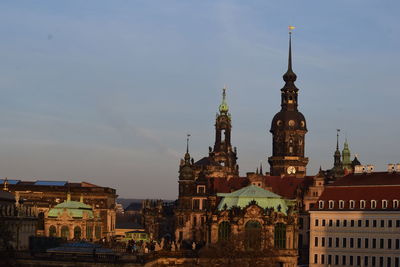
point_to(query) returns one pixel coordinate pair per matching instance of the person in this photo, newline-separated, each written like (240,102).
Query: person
(194,245)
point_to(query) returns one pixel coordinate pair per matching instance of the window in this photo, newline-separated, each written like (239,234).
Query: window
(366,223)
(343,260)
(397,223)
(352,242)
(397,243)
(373,260)
(253,235)
(321,204)
(330,242)
(390,223)
(373,243)
(301,222)
(352,204)
(322,259)
(384,204)
(381,244)
(358,242)
(196,204)
(280,235)
(201,189)
(315,258)
(359,223)
(336,260)
(344,242)
(366,243)
(389,262)
(89,232)
(329,259)
(337,242)
(341,204)
(358,260)
(351,260)
(330,223)
(65,232)
(194,220)
(352,223)
(365,260)
(316,222)
(374,223)
(344,223)
(316,242)
(362,204)
(396,262)
(382,223)
(381,261)
(395,203)
(52,231)
(224,231)
(373,204)
(323,242)
(337,223)
(323,222)
(77,233)
(331,204)
(389,243)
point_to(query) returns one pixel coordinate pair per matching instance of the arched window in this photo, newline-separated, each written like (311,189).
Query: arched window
(52,231)
(40,221)
(352,204)
(362,204)
(373,204)
(384,204)
(224,231)
(65,232)
(280,235)
(341,204)
(331,204)
(89,232)
(253,235)
(77,233)
(321,204)
(97,232)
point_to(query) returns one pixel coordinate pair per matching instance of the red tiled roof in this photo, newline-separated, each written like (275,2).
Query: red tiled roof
(223,185)
(358,193)
(286,186)
(375,178)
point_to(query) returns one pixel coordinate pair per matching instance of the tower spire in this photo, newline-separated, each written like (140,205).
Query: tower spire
(290,76)
(187,155)
(224,108)
(337,139)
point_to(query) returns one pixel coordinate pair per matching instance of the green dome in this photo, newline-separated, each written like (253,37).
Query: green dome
(74,208)
(264,198)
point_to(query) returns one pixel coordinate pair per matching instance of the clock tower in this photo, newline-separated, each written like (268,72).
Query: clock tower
(288,129)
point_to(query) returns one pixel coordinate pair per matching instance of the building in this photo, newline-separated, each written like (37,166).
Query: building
(44,195)
(73,220)
(17,221)
(356,221)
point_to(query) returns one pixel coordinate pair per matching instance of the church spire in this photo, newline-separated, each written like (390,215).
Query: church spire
(290,76)
(187,155)
(224,108)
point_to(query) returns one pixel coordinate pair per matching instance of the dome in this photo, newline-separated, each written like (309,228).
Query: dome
(288,120)
(74,208)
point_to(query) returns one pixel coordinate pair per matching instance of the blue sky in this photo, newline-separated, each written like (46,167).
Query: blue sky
(105,91)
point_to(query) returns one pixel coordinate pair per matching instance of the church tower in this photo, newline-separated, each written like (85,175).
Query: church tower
(223,153)
(288,129)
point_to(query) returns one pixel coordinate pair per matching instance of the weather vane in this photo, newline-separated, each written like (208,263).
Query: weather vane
(291,28)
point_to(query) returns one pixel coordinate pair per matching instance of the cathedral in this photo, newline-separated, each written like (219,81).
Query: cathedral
(268,210)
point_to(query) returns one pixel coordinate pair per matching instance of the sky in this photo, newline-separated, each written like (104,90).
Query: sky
(106,91)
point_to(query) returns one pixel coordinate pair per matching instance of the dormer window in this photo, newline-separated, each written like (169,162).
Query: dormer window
(362,204)
(201,189)
(384,204)
(341,204)
(373,204)
(331,204)
(321,204)
(395,204)
(352,204)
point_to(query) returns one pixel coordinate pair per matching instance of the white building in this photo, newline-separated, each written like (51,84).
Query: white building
(356,221)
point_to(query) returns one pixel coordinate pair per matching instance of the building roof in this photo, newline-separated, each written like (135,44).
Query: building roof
(243,197)
(6,196)
(224,185)
(287,186)
(362,190)
(75,208)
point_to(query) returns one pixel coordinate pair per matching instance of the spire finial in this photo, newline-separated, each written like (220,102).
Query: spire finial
(290,76)
(187,143)
(223,108)
(261,170)
(337,139)
(5,184)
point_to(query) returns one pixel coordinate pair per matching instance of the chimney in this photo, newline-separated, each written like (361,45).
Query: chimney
(391,168)
(370,168)
(358,169)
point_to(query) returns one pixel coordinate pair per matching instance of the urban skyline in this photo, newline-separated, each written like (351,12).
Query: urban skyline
(89,94)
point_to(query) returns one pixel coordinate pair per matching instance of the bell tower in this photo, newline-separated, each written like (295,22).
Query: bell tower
(288,129)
